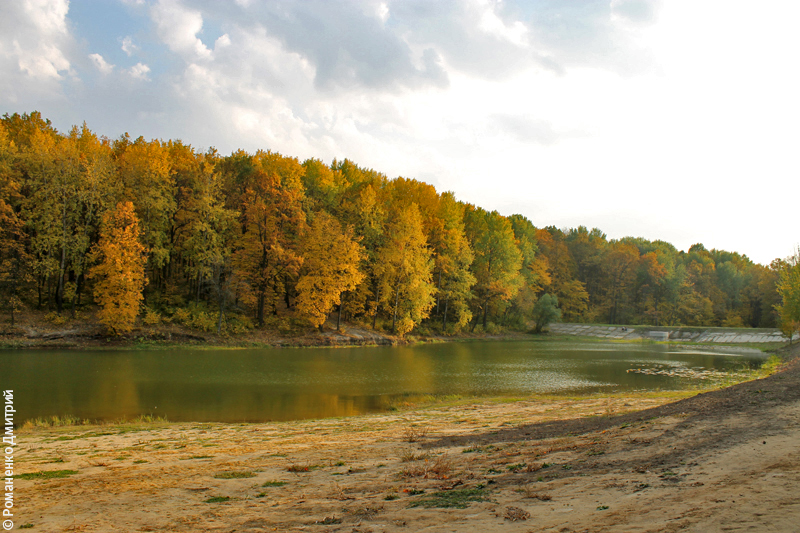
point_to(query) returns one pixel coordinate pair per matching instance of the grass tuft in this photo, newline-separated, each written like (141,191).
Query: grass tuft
(46,474)
(217,499)
(234,475)
(452,499)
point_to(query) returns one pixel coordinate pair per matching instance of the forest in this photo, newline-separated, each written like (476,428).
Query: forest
(134,231)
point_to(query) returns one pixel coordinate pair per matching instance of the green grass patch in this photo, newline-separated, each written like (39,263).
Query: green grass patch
(46,474)
(234,475)
(217,499)
(274,484)
(452,499)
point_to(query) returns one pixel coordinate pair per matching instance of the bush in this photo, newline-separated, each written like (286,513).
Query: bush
(545,311)
(151,317)
(56,319)
(237,324)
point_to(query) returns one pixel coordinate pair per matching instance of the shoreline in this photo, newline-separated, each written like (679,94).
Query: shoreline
(89,337)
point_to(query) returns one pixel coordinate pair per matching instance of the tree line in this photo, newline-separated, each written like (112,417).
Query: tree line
(159,231)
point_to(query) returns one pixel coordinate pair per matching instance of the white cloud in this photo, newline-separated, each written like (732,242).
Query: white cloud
(178,28)
(139,71)
(49,16)
(222,41)
(34,39)
(128,47)
(492,24)
(45,61)
(101,64)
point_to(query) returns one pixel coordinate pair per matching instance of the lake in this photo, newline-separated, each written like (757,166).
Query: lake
(237,385)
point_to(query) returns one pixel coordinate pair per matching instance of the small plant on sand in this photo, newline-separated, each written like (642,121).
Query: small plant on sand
(329,521)
(365,513)
(297,469)
(415,434)
(217,499)
(534,495)
(408,455)
(515,513)
(438,469)
(234,475)
(274,483)
(458,499)
(46,474)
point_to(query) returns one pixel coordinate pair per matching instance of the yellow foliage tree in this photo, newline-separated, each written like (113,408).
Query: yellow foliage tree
(330,267)
(119,273)
(405,270)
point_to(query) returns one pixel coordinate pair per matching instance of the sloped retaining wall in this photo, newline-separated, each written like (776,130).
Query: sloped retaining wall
(677,334)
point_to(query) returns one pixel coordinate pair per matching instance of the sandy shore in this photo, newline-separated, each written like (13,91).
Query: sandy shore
(726,460)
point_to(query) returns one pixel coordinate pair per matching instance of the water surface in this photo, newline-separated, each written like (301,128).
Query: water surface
(232,385)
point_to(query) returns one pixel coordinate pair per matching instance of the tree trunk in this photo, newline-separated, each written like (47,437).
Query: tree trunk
(375,315)
(260,312)
(339,316)
(444,317)
(438,291)
(396,301)
(63,266)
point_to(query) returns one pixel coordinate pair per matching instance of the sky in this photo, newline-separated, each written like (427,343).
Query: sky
(672,120)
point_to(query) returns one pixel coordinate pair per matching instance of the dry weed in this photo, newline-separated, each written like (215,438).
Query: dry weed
(515,513)
(415,434)
(438,469)
(532,494)
(408,456)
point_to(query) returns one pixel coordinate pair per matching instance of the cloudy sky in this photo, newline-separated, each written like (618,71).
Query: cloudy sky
(674,120)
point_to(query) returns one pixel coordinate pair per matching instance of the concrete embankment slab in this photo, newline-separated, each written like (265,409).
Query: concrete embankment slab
(664,334)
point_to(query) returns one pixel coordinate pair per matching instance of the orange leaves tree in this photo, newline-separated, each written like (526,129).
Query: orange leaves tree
(119,277)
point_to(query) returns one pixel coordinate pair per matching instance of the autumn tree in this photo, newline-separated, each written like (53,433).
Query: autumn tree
(404,270)
(272,221)
(331,258)
(570,292)
(144,168)
(532,275)
(14,256)
(119,276)
(789,291)
(452,264)
(619,270)
(497,260)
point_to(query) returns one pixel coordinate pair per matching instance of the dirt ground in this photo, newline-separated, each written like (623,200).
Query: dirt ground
(727,460)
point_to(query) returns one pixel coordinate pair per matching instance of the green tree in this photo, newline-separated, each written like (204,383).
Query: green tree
(497,260)
(545,312)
